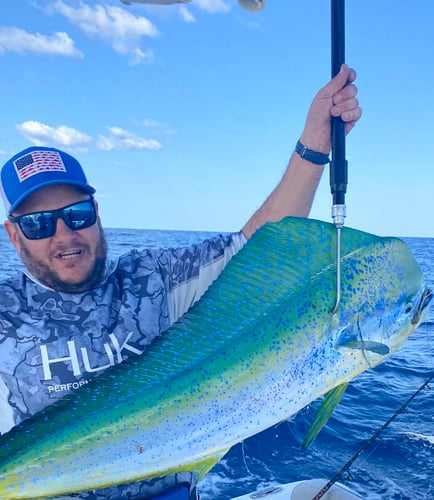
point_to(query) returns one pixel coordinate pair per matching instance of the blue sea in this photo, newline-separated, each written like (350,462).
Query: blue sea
(400,462)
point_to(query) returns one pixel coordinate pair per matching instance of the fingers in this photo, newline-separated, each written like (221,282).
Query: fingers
(352,116)
(349,126)
(346,75)
(348,110)
(344,101)
(336,99)
(352,75)
(345,94)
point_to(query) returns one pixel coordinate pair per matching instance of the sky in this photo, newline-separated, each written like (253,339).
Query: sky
(185,116)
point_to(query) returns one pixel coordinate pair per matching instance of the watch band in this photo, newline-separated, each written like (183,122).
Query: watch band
(311,155)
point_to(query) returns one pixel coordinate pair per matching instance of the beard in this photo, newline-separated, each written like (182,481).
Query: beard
(44,274)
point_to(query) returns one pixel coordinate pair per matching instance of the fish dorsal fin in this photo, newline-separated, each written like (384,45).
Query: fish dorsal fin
(327,407)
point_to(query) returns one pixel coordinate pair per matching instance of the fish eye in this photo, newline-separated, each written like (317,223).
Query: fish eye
(408,308)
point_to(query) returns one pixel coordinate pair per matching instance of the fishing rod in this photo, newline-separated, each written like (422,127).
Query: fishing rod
(368,443)
(338,164)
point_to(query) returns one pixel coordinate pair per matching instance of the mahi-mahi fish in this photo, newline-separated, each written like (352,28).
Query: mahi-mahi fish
(261,344)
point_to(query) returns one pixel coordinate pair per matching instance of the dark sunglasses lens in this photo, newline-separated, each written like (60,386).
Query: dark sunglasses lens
(80,216)
(37,226)
(43,224)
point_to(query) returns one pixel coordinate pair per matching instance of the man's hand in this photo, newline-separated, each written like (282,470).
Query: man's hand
(338,99)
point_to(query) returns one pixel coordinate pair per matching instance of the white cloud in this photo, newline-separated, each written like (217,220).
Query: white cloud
(18,40)
(63,137)
(121,29)
(186,15)
(105,144)
(71,139)
(159,127)
(120,138)
(209,6)
(213,6)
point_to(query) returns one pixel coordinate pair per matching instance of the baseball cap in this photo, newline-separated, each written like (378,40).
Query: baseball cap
(37,167)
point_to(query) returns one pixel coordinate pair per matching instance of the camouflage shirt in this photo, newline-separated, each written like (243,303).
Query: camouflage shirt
(52,343)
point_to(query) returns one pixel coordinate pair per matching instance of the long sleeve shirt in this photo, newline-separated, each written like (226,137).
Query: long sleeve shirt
(52,343)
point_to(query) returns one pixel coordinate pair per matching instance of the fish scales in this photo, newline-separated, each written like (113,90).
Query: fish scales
(260,345)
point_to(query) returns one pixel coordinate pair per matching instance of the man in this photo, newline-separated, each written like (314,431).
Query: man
(72,314)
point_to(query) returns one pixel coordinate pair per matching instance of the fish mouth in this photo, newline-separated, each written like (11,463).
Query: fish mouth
(426,298)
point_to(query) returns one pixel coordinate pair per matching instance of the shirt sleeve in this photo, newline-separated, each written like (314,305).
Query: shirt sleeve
(7,416)
(194,269)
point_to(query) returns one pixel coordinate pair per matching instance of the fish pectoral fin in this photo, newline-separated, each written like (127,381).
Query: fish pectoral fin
(366,345)
(326,408)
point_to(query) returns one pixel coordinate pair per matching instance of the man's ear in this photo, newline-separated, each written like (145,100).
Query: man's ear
(11,229)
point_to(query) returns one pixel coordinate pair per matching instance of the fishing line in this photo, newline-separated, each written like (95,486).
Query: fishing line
(361,338)
(244,460)
(368,443)
(243,453)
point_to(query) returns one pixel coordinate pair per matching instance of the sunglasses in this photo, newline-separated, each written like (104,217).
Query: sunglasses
(39,225)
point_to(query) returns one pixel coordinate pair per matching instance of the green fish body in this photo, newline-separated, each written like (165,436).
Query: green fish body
(261,344)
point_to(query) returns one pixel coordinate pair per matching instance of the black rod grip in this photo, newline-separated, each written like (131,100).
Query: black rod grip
(338,164)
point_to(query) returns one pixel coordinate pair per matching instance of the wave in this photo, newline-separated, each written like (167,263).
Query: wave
(420,437)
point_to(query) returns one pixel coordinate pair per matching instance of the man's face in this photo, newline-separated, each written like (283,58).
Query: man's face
(69,261)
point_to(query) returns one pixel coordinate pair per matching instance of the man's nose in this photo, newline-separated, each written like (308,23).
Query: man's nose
(62,229)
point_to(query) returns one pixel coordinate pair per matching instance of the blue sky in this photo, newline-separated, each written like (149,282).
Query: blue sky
(184,116)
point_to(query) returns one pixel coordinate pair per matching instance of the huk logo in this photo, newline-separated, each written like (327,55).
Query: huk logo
(112,349)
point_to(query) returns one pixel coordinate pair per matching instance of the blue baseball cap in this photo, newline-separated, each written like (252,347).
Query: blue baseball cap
(37,167)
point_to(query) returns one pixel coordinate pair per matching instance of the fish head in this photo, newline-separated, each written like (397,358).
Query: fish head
(385,300)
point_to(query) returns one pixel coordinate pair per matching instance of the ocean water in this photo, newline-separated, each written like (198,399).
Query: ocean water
(400,462)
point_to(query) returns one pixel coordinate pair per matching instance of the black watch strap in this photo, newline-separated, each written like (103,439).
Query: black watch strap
(311,155)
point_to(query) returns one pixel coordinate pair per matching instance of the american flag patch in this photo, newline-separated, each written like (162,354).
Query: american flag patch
(38,162)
